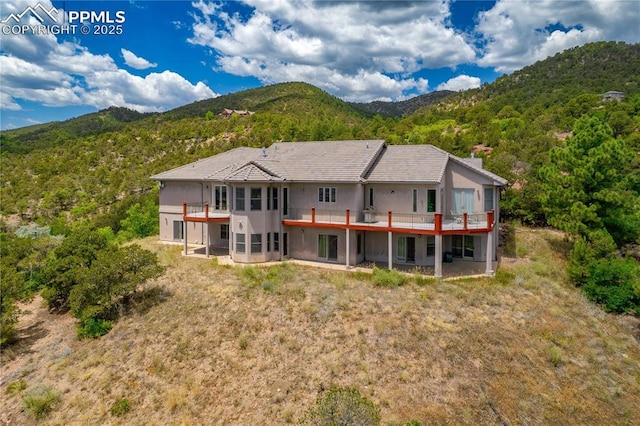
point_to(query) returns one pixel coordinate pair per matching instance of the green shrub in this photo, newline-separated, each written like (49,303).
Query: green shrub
(555,355)
(40,402)
(343,406)
(92,328)
(614,283)
(389,278)
(120,407)
(17,386)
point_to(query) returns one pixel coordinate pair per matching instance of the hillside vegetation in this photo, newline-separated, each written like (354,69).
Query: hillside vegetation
(214,344)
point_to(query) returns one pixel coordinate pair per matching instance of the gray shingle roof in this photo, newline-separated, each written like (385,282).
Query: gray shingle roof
(409,163)
(337,161)
(211,168)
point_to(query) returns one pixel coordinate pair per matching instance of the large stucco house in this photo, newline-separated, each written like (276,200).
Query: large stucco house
(344,202)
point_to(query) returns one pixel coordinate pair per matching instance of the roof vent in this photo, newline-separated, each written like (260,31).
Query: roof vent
(473,154)
(367,145)
(264,152)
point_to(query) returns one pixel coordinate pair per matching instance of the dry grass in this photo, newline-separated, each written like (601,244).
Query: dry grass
(255,346)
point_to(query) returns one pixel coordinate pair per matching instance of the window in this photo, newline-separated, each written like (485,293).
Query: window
(256,199)
(240,199)
(359,244)
(402,248)
(431,200)
(276,241)
(178,229)
(414,200)
(328,247)
(268,241)
(488,199)
(272,198)
(224,231)
(326,195)
(240,244)
(256,243)
(462,201)
(371,196)
(431,245)
(220,197)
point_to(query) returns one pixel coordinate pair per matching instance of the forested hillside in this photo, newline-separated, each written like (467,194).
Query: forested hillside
(95,169)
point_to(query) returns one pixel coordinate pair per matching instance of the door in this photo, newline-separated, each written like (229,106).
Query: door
(178,230)
(332,241)
(285,244)
(463,246)
(411,249)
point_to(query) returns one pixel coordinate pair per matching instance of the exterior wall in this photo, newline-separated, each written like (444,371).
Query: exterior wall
(250,222)
(377,243)
(172,196)
(305,196)
(398,198)
(303,244)
(457,176)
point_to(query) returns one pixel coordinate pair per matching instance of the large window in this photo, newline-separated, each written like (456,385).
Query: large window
(224,231)
(220,197)
(240,244)
(272,198)
(371,197)
(268,241)
(240,199)
(326,195)
(256,243)
(276,241)
(256,198)
(462,201)
(488,199)
(328,247)
(431,200)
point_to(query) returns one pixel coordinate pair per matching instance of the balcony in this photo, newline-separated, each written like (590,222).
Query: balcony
(200,212)
(430,223)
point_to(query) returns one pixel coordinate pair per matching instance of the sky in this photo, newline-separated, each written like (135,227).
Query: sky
(62,59)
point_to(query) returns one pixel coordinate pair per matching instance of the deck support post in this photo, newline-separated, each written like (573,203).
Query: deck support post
(347,232)
(207,238)
(438,260)
(390,249)
(489,254)
(184,226)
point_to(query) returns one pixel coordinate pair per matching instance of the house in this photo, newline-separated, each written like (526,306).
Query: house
(241,112)
(343,202)
(613,96)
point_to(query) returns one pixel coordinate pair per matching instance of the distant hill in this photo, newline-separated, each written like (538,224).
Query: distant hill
(401,108)
(94,166)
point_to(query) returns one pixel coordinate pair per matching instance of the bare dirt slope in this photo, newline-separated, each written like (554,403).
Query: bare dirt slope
(221,345)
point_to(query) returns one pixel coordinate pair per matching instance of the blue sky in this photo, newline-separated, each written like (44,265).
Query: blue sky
(158,55)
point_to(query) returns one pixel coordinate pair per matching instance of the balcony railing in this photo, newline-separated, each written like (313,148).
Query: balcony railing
(202,211)
(429,221)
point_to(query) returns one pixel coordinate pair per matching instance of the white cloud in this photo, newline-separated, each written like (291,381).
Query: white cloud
(461,82)
(55,73)
(523,32)
(362,50)
(135,61)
